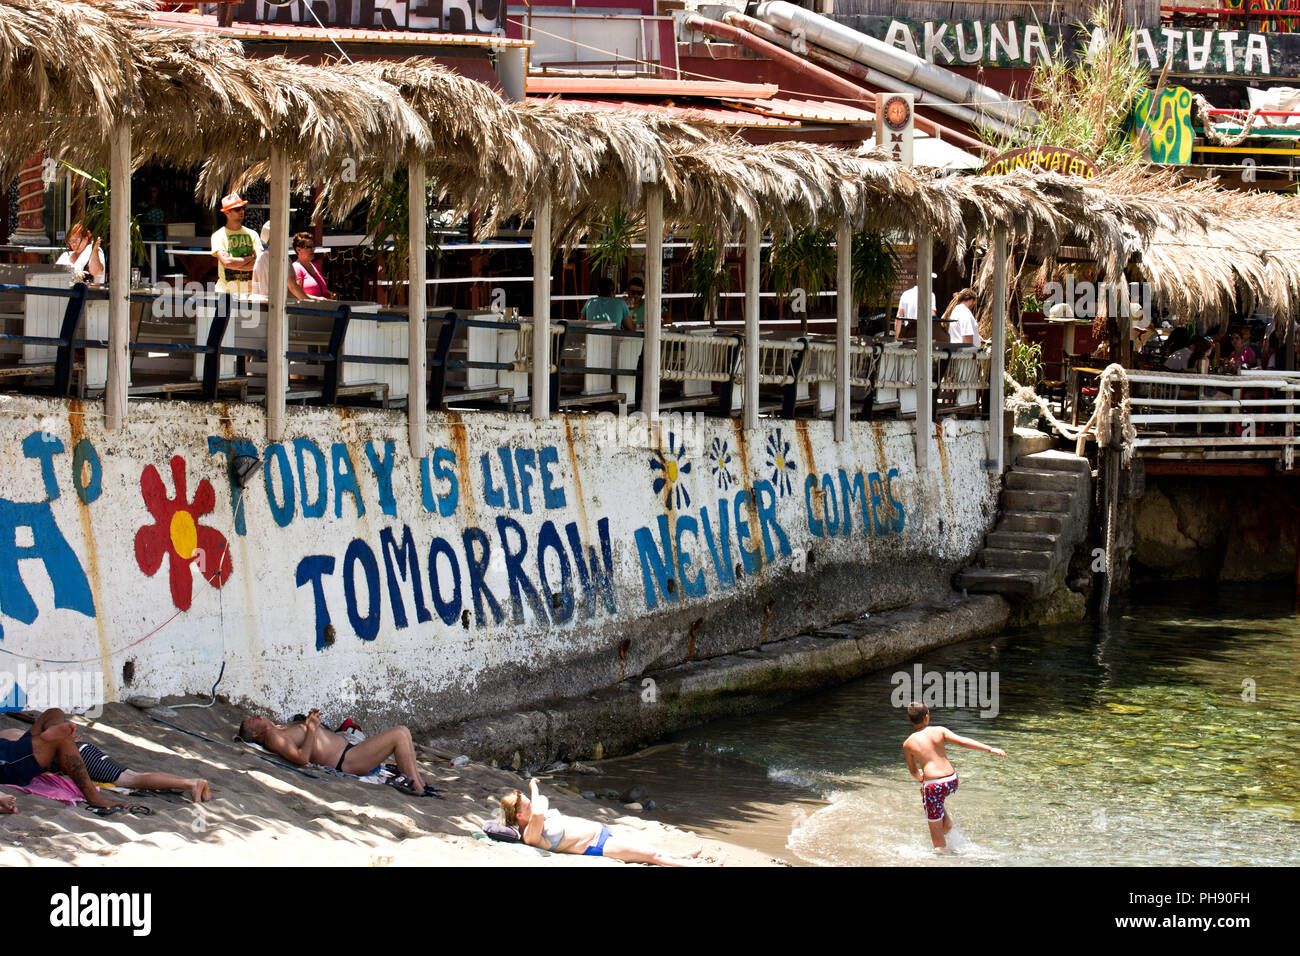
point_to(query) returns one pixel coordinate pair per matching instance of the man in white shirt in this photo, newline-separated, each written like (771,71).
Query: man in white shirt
(236,248)
(907,308)
(962,327)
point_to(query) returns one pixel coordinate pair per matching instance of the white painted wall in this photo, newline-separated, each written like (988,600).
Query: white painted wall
(584,474)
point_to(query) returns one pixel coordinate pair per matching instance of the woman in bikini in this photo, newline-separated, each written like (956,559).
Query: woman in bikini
(540,826)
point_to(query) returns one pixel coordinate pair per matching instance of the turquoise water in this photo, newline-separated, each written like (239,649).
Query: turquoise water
(1129,742)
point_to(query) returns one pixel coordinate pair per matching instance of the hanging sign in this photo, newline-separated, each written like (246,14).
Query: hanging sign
(894,120)
(1051,159)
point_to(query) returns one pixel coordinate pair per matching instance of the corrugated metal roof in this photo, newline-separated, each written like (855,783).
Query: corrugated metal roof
(816,111)
(691,114)
(313,34)
(643,86)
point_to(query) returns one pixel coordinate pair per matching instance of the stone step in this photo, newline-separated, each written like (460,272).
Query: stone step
(1036,521)
(1016,559)
(1046,479)
(1056,461)
(1022,540)
(1021,585)
(1050,501)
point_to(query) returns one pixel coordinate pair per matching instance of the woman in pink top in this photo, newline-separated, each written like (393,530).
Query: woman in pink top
(307,272)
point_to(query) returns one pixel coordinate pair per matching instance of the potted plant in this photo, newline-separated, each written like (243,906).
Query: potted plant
(875,269)
(706,272)
(803,262)
(610,244)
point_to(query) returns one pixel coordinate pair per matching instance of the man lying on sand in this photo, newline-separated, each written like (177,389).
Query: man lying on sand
(50,746)
(306,741)
(104,770)
(543,827)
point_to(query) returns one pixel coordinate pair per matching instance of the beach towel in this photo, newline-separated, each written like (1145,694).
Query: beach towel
(56,787)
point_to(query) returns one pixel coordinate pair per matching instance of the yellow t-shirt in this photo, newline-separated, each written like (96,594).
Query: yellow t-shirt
(235,243)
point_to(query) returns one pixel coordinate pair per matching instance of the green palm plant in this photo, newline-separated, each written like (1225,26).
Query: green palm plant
(98,217)
(875,268)
(805,260)
(706,272)
(610,245)
(388,220)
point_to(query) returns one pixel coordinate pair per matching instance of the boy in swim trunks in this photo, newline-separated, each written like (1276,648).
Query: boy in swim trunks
(928,763)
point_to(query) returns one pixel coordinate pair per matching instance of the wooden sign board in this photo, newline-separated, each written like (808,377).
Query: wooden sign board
(894,125)
(1051,159)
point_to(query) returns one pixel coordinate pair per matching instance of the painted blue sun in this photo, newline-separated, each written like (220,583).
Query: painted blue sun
(781,463)
(671,467)
(720,464)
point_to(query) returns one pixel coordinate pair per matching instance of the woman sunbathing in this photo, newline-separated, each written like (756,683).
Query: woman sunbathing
(543,827)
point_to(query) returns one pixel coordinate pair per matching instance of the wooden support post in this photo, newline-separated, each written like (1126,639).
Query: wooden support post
(844,317)
(654,287)
(277,326)
(924,352)
(997,358)
(541,383)
(417,402)
(119,279)
(749,398)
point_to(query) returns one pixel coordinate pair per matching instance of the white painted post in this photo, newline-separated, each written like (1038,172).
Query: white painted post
(654,285)
(417,410)
(119,278)
(277,327)
(924,352)
(541,385)
(844,316)
(997,359)
(753,238)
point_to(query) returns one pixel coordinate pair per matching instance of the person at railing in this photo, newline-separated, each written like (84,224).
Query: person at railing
(604,306)
(305,269)
(84,256)
(236,248)
(262,269)
(907,308)
(1197,356)
(962,327)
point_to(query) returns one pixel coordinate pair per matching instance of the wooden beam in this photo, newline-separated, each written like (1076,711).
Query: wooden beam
(417,400)
(277,326)
(997,359)
(119,278)
(753,239)
(541,382)
(654,287)
(843,321)
(924,348)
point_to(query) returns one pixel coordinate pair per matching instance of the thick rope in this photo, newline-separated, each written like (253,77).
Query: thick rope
(1112,393)
(1203,108)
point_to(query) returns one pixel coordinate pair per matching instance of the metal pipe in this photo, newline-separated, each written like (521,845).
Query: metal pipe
(900,64)
(883,81)
(841,86)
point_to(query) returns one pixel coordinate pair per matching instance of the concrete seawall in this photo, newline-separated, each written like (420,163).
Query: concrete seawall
(520,562)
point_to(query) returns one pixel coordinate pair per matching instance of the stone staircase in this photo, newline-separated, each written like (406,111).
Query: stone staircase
(1042,517)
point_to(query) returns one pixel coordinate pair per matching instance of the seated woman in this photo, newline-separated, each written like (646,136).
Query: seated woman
(305,269)
(543,827)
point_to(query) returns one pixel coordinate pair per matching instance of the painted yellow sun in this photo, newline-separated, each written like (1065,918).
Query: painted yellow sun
(184,534)
(780,461)
(671,470)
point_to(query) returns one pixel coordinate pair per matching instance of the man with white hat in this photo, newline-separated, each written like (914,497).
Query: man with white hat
(236,248)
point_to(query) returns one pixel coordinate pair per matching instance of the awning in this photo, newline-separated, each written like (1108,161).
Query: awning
(687,113)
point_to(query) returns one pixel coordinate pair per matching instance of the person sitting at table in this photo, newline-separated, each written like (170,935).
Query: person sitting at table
(84,256)
(305,269)
(1243,356)
(635,320)
(236,248)
(962,327)
(604,306)
(262,269)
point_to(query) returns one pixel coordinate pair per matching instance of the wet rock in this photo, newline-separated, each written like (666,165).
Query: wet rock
(588,794)
(143,703)
(637,794)
(585,768)
(634,807)
(650,805)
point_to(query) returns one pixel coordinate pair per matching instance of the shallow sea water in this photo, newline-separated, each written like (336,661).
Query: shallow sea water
(1128,741)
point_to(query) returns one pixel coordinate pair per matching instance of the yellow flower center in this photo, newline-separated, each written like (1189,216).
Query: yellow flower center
(671,469)
(780,461)
(185,536)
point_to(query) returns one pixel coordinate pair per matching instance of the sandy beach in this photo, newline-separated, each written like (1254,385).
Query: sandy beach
(264,813)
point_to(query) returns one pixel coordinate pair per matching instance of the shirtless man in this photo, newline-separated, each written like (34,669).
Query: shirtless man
(928,763)
(51,745)
(305,741)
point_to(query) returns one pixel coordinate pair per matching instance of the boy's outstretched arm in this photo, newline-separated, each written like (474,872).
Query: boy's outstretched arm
(969,744)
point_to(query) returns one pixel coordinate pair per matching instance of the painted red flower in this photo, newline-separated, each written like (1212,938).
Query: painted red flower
(176,532)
